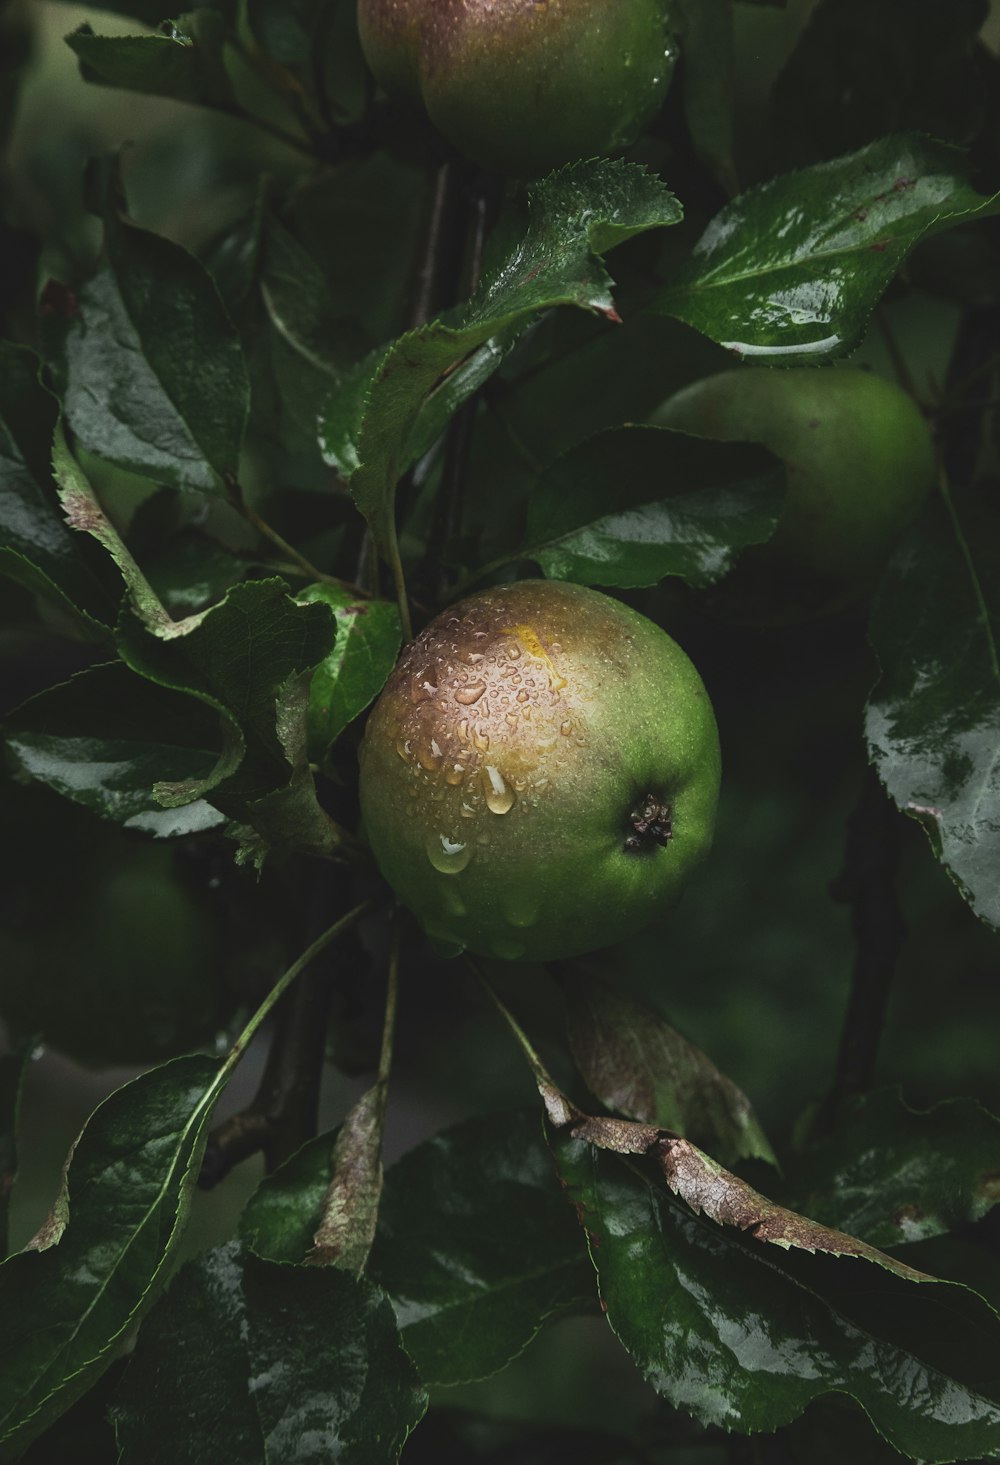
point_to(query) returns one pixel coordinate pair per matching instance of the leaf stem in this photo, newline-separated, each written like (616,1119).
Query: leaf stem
(542,1076)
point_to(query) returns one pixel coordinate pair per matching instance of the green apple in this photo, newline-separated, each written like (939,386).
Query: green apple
(540,775)
(860,463)
(523,86)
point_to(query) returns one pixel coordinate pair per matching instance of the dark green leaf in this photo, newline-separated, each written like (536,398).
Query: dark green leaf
(249,1360)
(744,1336)
(299,303)
(68,1301)
(933,720)
(864,68)
(637,504)
(636,1063)
(186,65)
(36,548)
(155,377)
(107,739)
(476,1246)
(355,671)
(792,269)
(281,1216)
(373,432)
(891,1174)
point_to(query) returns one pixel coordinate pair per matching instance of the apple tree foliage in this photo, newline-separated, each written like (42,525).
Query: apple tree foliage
(281,376)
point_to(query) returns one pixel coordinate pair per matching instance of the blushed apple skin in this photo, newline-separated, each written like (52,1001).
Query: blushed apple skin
(860,464)
(523,86)
(501,764)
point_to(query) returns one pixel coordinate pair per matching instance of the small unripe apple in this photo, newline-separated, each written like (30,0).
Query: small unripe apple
(540,775)
(859,461)
(523,86)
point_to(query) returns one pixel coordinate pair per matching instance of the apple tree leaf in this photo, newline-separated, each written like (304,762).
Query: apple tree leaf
(634,505)
(251,1360)
(791,270)
(356,670)
(187,64)
(387,413)
(933,720)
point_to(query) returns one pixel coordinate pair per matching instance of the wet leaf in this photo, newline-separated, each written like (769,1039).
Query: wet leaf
(66,1308)
(933,721)
(474,1248)
(107,738)
(636,1063)
(155,380)
(745,1336)
(637,504)
(389,411)
(791,270)
(893,1174)
(355,671)
(36,547)
(281,1217)
(249,1360)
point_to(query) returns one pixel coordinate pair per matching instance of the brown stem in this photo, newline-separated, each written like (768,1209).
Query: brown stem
(868,884)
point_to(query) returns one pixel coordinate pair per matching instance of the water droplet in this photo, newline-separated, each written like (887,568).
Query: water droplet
(468,812)
(468,695)
(481,739)
(448,855)
(451,899)
(507,949)
(430,758)
(514,650)
(475,657)
(404,747)
(511,717)
(499,798)
(565,728)
(455,774)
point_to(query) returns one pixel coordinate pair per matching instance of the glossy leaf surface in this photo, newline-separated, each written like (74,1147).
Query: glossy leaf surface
(155,380)
(637,1064)
(248,1360)
(388,412)
(107,738)
(933,720)
(476,1246)
(67,1302)
(892,1174)
(791,270)
(186,65)
(637,504)
(355,671)
(745,1337)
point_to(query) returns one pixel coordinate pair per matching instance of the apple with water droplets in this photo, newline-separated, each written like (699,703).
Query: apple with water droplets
(540,775)
(523,86)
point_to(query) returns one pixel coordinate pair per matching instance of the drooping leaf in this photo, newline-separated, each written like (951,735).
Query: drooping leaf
(746,1337)
(636,504)
(933,721)
(791,270)
(893,1174)
(250,1360)
(355,671)
(474,1248)
(187,64)
(107,738)
(36,548)
(155,380)
(68,1301)
(389,411)
(636,1063)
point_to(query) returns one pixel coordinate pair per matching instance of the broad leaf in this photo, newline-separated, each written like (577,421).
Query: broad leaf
(249,1360)
(792,269)
(393,407)
(281,1217)
(107,738)
(155,380)
(187,64)
(68,1301)
(893,1174)
(474,1248)
(36,548)
(638,1064)
(745,1337)
(933,720)
(636,504)
(355,671)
